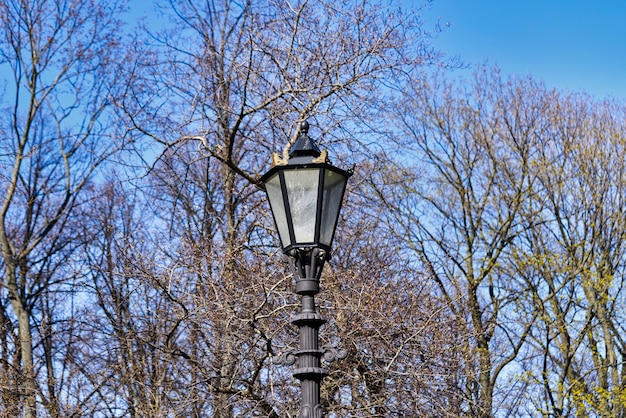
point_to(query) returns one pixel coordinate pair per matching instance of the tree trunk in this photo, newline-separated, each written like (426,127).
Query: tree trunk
(25,340)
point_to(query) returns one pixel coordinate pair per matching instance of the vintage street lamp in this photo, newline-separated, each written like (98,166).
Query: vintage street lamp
(305,194)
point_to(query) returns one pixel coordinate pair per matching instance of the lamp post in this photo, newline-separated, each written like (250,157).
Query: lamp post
(305,194)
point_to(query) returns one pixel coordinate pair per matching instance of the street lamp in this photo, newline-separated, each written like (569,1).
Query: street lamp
(305,194)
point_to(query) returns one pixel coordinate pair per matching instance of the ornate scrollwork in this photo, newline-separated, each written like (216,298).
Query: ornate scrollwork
(332,353)
(287,358)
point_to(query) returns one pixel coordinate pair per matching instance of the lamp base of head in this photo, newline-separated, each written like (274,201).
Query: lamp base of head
(307,265)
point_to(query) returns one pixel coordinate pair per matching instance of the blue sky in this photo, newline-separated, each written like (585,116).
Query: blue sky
(571,45)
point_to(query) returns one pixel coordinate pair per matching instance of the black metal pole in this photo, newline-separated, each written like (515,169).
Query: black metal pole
(308,367)
(307,267)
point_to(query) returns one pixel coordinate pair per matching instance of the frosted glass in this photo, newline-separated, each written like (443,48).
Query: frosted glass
(275,196)
(302,189)
(334,185)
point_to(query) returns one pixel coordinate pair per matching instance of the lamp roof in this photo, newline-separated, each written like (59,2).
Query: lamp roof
(304,145)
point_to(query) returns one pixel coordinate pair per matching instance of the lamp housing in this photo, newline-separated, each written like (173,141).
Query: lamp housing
(305,194)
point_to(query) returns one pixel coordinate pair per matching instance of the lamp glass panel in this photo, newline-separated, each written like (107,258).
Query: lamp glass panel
(334,185)
(302,189)
(277,204)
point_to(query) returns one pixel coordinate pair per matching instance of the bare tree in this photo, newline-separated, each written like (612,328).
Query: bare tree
(157,297)
(383,310)
(511,196)
(573,260)
(235,78)
(58,58)
(455,194)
